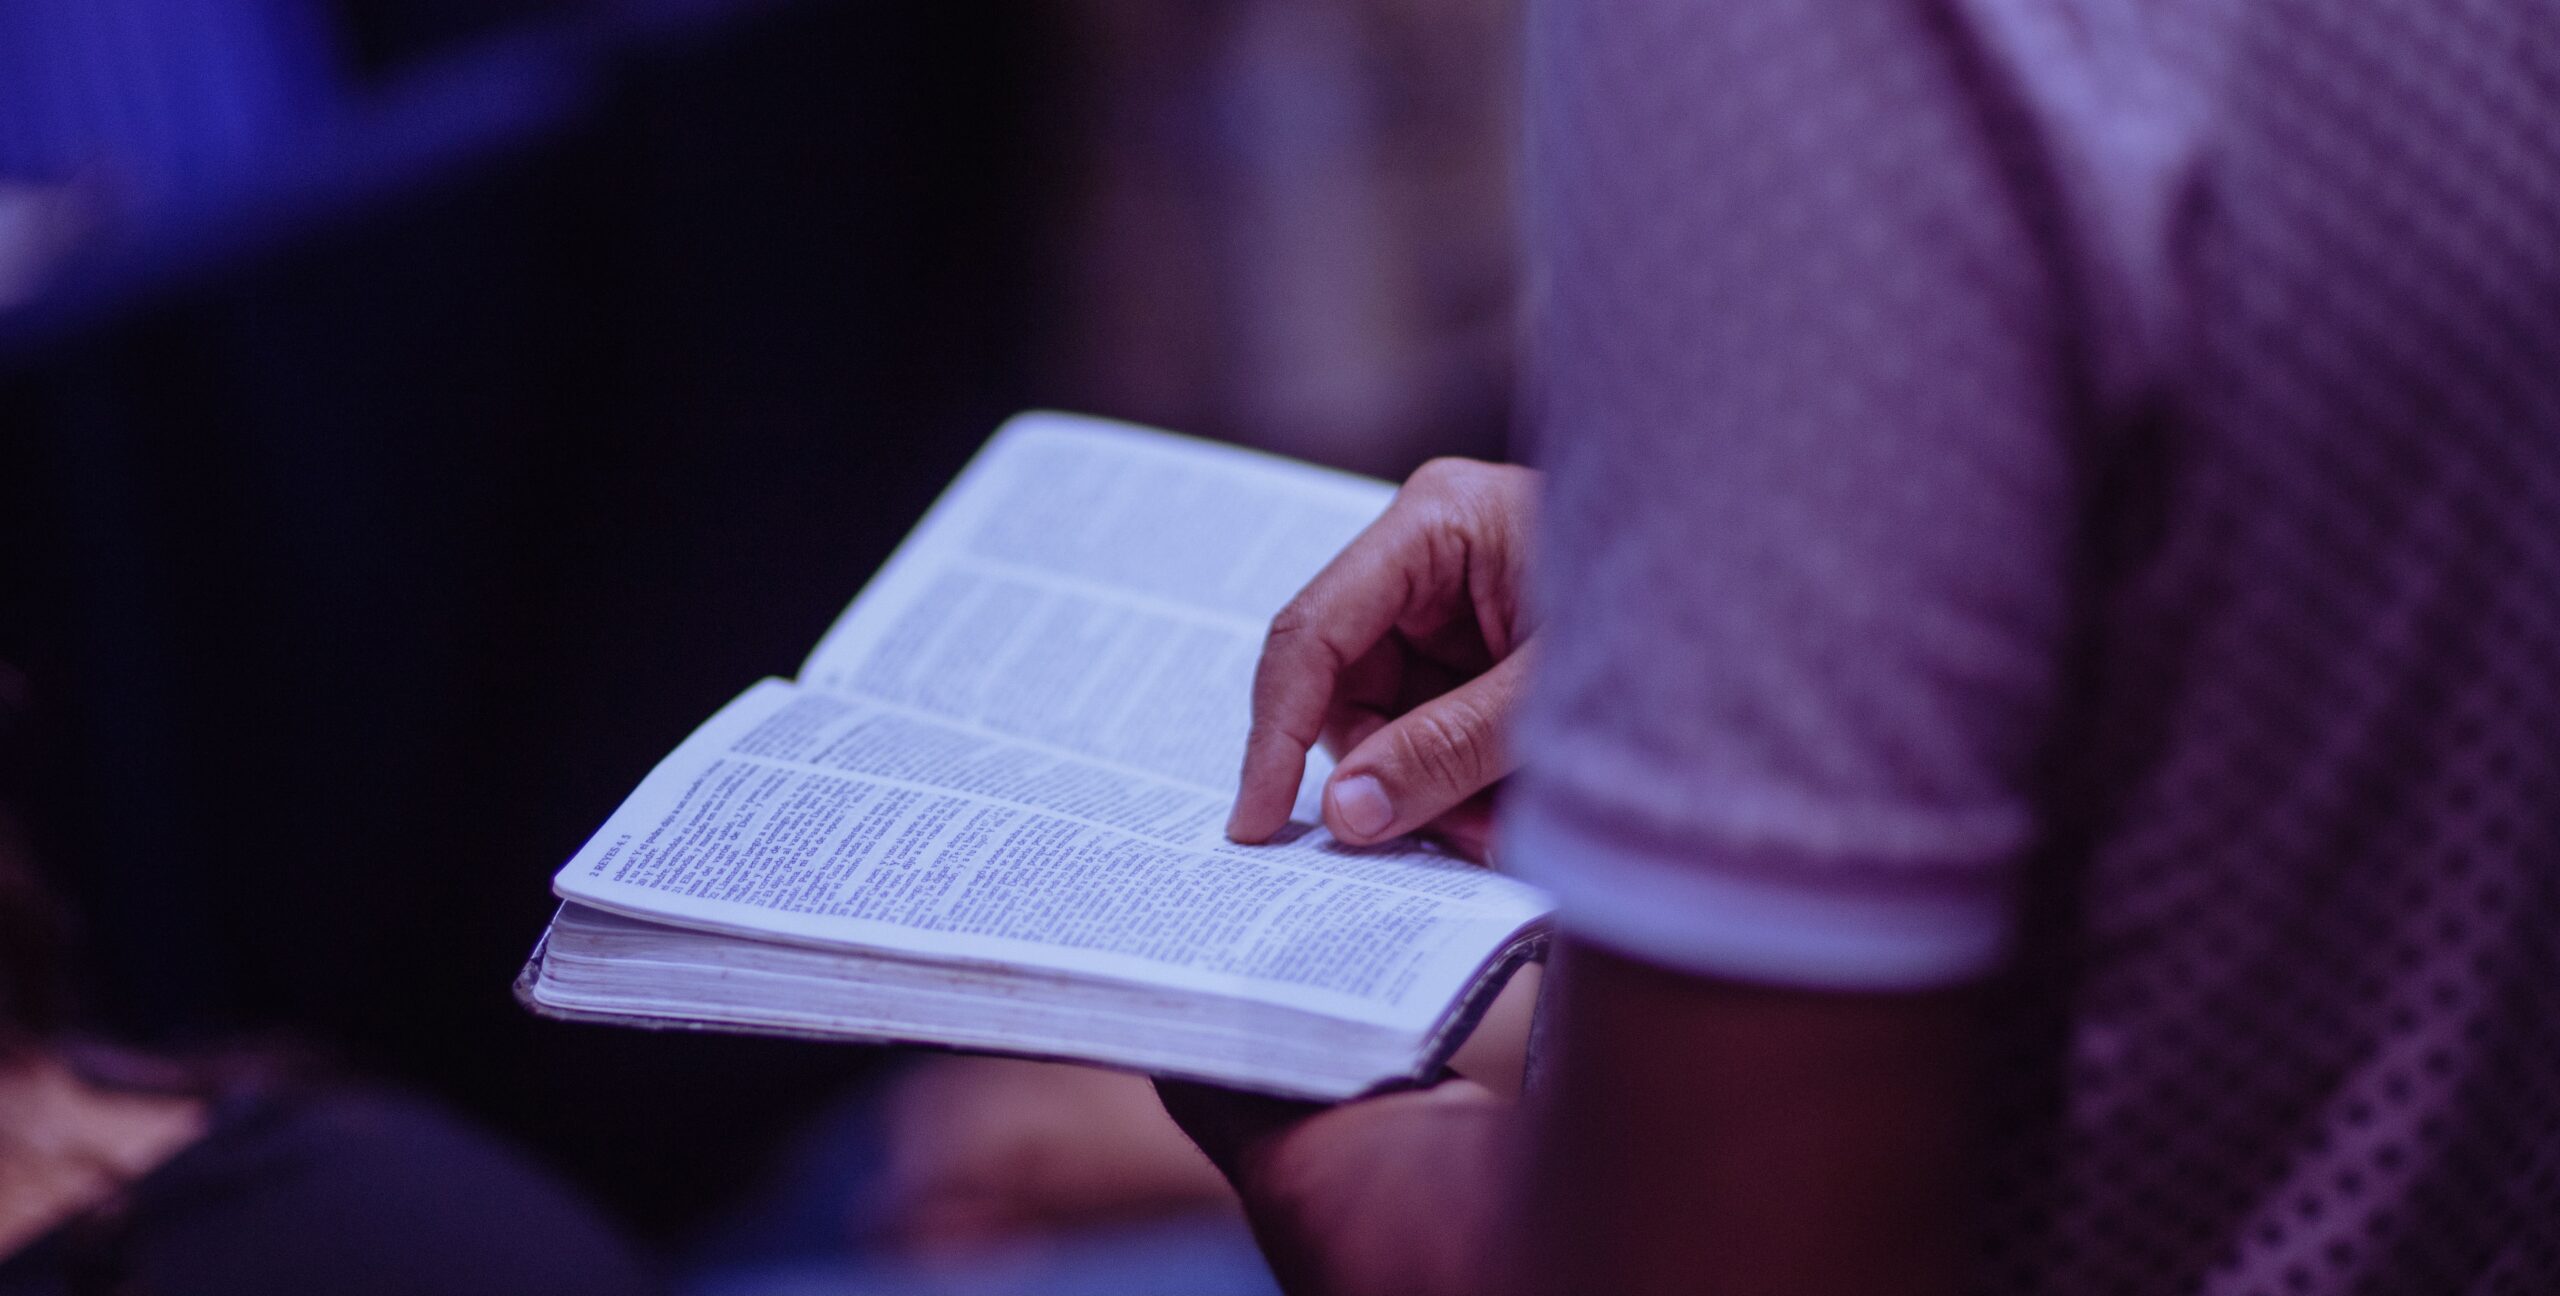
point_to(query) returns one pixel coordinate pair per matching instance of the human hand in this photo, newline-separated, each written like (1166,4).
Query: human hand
(1402,1193)
(1406,656)
(986,1149)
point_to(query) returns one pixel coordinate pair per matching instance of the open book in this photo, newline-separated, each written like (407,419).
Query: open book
(990,814)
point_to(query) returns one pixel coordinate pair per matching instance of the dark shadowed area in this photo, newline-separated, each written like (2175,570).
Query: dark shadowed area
(379,509)
(416,417)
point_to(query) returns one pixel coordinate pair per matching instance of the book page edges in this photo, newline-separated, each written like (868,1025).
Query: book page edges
(1529,946)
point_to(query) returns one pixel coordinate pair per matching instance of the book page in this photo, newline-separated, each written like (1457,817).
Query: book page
(832,819)
(1098,589)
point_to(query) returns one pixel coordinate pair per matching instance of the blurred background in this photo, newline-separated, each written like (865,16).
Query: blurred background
(415,415)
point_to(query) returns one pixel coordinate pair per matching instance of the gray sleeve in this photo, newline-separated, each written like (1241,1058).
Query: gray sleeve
(1803,392)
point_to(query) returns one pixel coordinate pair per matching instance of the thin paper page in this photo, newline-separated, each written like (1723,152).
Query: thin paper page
(1205,526)
(1157,690)
(724,837)
(1100,588)
(1132,511)
(858,736)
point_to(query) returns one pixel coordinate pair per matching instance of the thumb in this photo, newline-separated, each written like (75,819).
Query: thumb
(1418,766)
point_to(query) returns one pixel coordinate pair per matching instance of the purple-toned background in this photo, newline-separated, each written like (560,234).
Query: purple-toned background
(416,414)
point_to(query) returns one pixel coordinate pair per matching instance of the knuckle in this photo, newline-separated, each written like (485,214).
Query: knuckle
(1515,483)
(1294,621)
(1448,748)
(1445,474)
(1450,479)
(1473,498)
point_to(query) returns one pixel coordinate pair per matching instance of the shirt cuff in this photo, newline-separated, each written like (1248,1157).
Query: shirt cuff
(1825,924)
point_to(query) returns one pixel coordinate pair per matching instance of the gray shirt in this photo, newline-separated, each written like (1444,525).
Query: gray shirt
(2070,492)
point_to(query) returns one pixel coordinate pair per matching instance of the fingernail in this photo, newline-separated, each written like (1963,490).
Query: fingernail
(1361,803)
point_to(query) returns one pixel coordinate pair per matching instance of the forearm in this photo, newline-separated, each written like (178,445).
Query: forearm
(1690,1136)
(1700,1136)
(1401,1195)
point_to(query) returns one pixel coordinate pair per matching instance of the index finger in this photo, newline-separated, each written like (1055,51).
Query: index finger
(1342,613)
